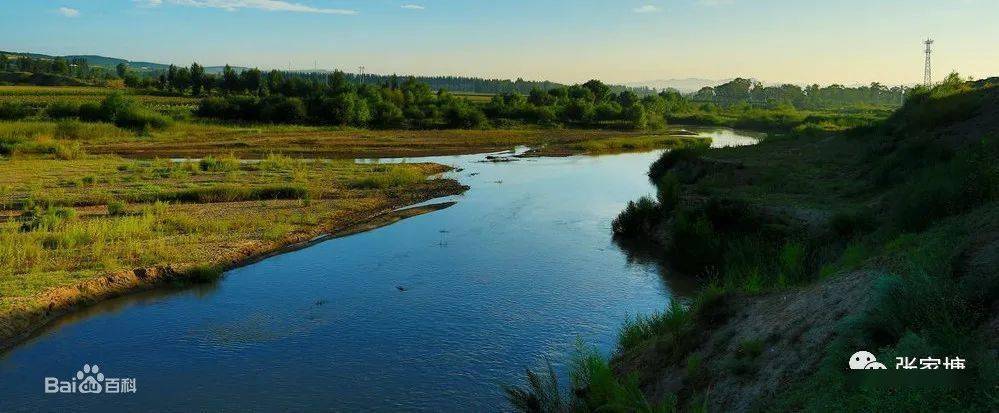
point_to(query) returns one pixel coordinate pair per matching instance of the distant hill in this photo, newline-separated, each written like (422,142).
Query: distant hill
(112,62)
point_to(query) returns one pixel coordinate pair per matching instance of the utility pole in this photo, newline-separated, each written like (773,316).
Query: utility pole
(927,71)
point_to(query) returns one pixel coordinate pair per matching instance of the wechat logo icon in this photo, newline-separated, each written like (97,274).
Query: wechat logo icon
(864,360)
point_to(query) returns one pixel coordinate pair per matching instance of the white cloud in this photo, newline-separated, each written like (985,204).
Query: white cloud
(148,3)
(413,6)
(648,8)
(68,12)
(233,5)
(712,3)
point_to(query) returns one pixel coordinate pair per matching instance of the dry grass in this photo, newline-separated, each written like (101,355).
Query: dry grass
(40,96)
(56,231)
(191,139)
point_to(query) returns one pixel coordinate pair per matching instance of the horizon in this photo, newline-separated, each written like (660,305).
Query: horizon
(573,42)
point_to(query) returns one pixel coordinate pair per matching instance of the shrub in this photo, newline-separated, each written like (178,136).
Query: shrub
(465,116)
(231,193)
(91,112)
(276,162)
(117,208)
(140,119)
(286,110)
(62,109)
(695,245)
(638,218)
(668,191)
(123,112)
(690,150)
(202,274)
(388,115)
(594,388)
(68,129)
(673,322)
(48,219)
(213,164)
(13,111)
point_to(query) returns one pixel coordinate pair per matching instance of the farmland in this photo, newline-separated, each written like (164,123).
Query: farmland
(41,96)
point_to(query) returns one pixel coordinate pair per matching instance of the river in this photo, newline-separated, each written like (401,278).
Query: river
(435,312)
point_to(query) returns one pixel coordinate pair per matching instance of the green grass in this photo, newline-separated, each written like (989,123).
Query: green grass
(910,198)
(627,144)
(391,176)
(594,387)
(672,324)
(922,308)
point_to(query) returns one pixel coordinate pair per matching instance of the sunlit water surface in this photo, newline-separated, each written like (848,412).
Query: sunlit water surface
(435,312)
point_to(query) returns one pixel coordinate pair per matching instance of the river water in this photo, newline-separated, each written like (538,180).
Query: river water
(435,312)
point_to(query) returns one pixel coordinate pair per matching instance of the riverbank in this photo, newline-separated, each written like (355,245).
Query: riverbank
(812,248)
(77,231)
(20,325)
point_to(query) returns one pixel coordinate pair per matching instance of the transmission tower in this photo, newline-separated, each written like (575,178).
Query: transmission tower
(928,72)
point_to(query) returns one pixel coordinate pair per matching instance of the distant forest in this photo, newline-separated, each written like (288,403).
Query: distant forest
(430,101)
(102,69)
(739,91)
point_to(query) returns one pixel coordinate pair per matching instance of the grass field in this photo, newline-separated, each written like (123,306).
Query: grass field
(69,223)
(41,96)
(475,97)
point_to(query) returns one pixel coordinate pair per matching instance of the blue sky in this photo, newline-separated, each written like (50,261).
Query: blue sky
(847,41)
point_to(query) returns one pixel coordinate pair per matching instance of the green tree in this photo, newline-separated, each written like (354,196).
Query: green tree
(182,79)
(538,97)
(338,83)
(121,69)
(600,91)
(252,81)
(274,81)
(197,78)
(171,77)
(627,98)
(230,80)
(734,91)
(82,67)
(60,66)
(635,115)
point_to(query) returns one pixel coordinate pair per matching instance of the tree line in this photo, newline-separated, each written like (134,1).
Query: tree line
(747,91)
(336,100)
(76,67)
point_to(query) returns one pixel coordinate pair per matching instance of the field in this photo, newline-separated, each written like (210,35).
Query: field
(67,224)
(41,96)
(475,97)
